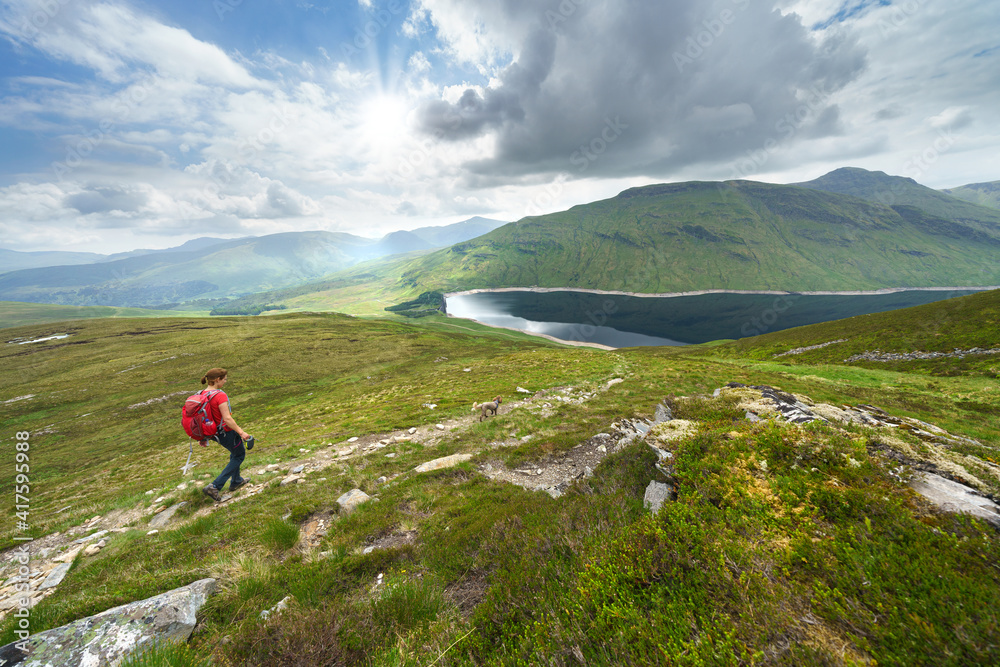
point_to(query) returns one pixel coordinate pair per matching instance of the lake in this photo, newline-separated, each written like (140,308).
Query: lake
(618,320)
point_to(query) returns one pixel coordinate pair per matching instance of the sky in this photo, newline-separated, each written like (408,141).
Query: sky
(141,124)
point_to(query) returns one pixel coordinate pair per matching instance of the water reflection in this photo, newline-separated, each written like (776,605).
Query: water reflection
(619,320)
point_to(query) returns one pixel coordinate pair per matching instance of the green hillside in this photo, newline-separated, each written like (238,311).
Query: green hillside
(898,191)
(18,313)
(962,323)
(784,545)
(983,194)
(737,235)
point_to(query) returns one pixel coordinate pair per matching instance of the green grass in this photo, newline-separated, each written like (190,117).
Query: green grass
(19,313)
(785,546)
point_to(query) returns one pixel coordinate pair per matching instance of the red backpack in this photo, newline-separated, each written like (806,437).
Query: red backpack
(196,417)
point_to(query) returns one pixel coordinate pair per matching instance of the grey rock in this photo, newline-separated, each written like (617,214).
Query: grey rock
(107,638)
(55,576)
(164,517)
(443,462)
(663,414)
(297,469)
(99,534)
(656,494)
(350,500)
(951,496)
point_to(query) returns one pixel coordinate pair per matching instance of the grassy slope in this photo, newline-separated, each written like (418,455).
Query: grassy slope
(983,194)
(688,236)
(880,187)
(835,565)
(19,313)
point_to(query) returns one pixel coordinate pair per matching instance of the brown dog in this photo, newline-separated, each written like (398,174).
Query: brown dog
(487,408)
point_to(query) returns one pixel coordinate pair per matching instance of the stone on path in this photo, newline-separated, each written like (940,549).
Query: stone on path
(352,499)
(56,576)
(106,638)
(443,462)
(164,517)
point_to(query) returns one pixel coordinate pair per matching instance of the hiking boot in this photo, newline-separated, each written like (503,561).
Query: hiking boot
(236,484)
(211,492)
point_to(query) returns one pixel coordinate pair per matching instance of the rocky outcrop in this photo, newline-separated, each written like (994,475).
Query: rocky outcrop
(950,480)
(808,348)
(949,496)
(918,356)
(106,638)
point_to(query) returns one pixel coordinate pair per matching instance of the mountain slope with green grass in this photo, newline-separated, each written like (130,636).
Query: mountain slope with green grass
(785,544)
(736,235)
(983,194)
(207,269)
(896,191)
(18,313)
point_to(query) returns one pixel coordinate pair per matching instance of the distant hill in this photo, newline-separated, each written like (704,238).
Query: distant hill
(194,244)
(984,194)
(207,268)
(439,237)
(13,260)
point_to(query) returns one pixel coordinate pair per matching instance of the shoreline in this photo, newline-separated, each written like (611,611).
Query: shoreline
(563,341)
(661,295)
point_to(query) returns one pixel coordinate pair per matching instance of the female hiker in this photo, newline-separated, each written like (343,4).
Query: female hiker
(230,436)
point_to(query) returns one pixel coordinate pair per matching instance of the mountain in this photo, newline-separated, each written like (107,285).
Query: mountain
(13,260)
(896,191)
(447,235)
(193,245)
(733,235)
(230,268)
(984,194)
(209,268)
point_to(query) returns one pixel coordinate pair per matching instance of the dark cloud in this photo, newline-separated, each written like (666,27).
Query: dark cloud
(107,200)
(633,87)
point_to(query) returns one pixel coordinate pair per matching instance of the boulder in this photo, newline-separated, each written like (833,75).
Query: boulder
(656,494)
(106,638)
(352,499)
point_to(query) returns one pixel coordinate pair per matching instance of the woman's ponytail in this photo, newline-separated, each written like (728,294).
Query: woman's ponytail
(214,374)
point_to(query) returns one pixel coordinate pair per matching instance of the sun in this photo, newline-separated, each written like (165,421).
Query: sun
(383,121)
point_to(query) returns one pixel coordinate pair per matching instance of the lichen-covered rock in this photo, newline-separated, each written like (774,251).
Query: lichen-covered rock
(352,499)
(656,494)
(106,638)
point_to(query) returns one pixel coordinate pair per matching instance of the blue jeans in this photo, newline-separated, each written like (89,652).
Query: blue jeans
(231,441)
